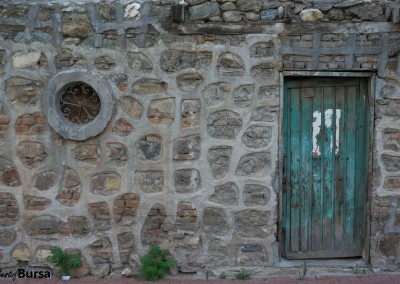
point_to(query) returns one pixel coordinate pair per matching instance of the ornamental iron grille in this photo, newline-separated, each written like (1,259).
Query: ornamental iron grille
(79,103)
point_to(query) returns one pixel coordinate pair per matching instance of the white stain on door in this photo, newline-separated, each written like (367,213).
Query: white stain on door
(316,130)
(328,114)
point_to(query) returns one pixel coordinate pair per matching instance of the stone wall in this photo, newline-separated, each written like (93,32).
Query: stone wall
(189,158)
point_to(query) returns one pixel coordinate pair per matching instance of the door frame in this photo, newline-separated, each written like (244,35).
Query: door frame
(371,77)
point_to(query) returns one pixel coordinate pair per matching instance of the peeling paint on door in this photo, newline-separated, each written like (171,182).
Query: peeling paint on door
(328,124)
(316,130)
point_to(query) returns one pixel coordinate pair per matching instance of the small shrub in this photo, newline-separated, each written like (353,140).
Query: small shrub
(242,275)
(155,264)
(63,260)
(222,275)
(303,272)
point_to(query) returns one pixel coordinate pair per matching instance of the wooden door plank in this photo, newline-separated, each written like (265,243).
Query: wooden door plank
(307,95)
(328,167)
(340,164)
(361,165)
(295,146)
(337,253)
(286,187)
(351,119)
(317,174)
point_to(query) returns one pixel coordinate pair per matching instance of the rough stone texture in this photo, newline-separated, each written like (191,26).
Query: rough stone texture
(186,216)
(8,209)
(138,61)
(13,11)
(65,58)
(249,5)
(257,136)
(187,180)
(105,62)
(9,174)
(70,190)
(255,195)
(187,148)
(230,64)
(155,228)
(203,11)
(117,154)
(43,225)
(105,183)
(268,93)
(388,107)
(121,81)
(219,159)
(131,107)
(226,194)
(264,114)
(190,113)
(189,82)
(36,203)
(162,111)
(391,139)
(311,15)
(107,12)
(392,183)
(30,124)
(262,49)
(149,181)
(147,86)
(45,180)
(391,163)
(388,245)
(269,15)
(76,25)
(100,216)
(7,237)
(216,93)
(28,58)
(252,254)
(126,247)
(231,16)
(224,124)
(217,253)
(335,15)
(101,251)
(23,90)
(255,164)
(76,226)
(4,121)
(125,207)
(215,221)
(178,60)
(253,223)
(263,70)
(32,154)
(243,95)
(122,127)
(367,12)
(21,252)
(86,152)
(149,147)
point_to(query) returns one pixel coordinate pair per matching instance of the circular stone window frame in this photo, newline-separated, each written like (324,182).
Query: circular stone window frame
(52,109)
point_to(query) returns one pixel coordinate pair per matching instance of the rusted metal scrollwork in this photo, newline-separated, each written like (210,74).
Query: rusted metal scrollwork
(80,103)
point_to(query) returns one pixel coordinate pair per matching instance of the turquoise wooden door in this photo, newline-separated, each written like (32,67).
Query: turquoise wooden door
(325,160)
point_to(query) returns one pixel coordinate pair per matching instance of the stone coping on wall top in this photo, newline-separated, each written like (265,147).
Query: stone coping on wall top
(262,28)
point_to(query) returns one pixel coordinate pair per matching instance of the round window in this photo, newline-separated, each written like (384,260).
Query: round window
(78,105)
